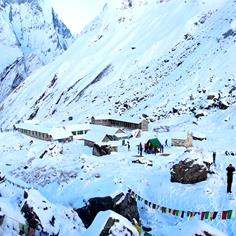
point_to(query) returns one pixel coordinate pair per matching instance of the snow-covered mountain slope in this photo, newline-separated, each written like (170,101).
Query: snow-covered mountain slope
(156,58)
(170,61)
(30,35)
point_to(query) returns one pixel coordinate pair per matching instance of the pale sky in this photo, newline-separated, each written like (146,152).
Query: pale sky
(77,13)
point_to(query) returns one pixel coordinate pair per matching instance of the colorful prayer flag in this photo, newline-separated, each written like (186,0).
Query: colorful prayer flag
(215,214)
(192,215)
(229,215)
(224,215)
(202,215)
(154,206)
(206,216)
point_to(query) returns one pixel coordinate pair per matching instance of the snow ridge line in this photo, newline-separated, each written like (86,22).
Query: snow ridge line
(17,185)
(205,215)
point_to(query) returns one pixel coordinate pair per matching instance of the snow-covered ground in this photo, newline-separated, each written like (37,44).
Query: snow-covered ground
(73,177)
(157,59)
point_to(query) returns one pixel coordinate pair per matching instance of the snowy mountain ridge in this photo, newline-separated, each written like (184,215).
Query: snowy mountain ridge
(126,56)
(171,62)
(34,40)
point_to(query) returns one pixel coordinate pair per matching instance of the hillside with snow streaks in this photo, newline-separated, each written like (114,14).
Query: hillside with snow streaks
(170,61)
(144,59)
(31,36)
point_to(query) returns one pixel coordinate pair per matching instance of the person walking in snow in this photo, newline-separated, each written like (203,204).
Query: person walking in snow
(166,144)
(214,157)
(128,146)
(230,169)
(141,149)
(162,149)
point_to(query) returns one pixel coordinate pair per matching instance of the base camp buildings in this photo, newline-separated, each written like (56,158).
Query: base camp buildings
(119,121)
(60,134)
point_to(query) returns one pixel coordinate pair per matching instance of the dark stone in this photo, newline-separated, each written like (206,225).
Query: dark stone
(95,205)
(188,172)
(101,150)
(31,117)
(228,33)
(127,208)
(223,106)
(30,216)
(108,226)
(198,138)
(174,110)
(126,105)
(146,229)
(199,115)
(52,221)
(25,195)
(113,222)
(144,115)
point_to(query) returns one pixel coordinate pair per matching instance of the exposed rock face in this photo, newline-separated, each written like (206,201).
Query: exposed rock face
(94,205)
(31,217)
(28,42)
(111,227)
(101,150)
(127,208)
(188,172)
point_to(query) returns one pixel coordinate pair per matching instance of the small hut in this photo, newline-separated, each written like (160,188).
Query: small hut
(188,142)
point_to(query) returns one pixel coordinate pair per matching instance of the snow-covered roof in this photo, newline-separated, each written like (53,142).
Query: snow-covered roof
(56,133)
(59,133)
(98,132)
(112,143)
(34,127)
(77,127)
(121,135)
(119,118)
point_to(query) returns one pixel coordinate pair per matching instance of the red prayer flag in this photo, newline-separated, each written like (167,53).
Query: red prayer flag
(202,215)
(224,215)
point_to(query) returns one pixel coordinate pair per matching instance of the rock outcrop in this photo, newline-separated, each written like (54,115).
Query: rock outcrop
(124,205)
(188,172)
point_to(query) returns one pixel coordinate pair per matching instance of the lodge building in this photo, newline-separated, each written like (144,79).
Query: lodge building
(120,122)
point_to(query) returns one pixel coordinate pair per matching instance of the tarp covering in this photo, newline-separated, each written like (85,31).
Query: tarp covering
(154,142)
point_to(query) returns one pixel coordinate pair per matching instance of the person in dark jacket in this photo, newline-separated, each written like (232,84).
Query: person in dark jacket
(128,145)
(141,149)
(214,157)
(230,169)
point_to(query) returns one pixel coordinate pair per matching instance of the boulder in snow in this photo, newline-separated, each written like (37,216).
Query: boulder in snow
(188,172)
(124,205)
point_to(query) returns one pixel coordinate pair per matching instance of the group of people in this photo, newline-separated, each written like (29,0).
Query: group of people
(148,148)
